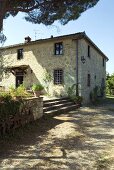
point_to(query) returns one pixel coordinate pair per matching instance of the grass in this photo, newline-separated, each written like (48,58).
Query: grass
(108,100)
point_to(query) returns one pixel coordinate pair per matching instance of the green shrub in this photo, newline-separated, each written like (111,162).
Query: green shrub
(71,94)
(37,87)
(71,90)
(77,99)
(95,94)
(6,96)
(9,108)
(20,91)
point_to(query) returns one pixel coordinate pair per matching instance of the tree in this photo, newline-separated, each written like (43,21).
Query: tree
(110,84)
(43,11)
(2,66)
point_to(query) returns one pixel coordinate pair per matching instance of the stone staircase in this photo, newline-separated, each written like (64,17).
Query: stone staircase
(57,106)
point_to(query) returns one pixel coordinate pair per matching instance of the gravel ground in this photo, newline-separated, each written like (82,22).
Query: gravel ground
(78,140)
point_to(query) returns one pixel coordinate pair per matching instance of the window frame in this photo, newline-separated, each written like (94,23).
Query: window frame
(57,50)
(58,78)
(88,51)
(88,80)
(20,54)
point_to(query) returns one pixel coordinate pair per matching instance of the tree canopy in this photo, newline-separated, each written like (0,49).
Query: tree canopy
(110,84)
(43,11)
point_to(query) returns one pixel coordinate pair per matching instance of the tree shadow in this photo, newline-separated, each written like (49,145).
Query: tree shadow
(76,151)
(29,133)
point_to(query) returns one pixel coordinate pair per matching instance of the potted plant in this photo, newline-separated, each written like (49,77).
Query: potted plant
(37,88)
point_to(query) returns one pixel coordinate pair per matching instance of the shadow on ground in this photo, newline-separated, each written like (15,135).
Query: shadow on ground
(72,141)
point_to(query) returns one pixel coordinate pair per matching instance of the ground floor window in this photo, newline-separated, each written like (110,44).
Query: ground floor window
(58,76)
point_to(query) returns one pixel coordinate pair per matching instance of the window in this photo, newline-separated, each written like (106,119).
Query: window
(103,62)
(58,76)
(19,54)
(88,51)
(59,48)
(88,80)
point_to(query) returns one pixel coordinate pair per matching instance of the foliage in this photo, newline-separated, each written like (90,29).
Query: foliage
(9,107)
(110,84)
(96,93)
(3,64)
(71,94)
(5,96)
(9,103)
(71,90)
(48,78)
(47,81)
(45,12)
(20,91)
(77,99)
(37,87)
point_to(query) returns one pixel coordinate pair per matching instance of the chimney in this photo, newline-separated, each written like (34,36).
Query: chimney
(27,39)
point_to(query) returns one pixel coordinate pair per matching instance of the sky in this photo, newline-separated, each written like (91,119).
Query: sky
(97,22)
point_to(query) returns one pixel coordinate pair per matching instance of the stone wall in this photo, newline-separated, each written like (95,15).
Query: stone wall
(30,110)
(35,106)
(93,65)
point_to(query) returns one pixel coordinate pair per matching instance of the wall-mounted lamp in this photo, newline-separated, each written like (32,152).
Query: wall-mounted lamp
(83,60)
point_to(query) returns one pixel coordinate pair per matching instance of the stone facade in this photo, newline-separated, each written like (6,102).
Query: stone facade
(40,58)
(35,106)
(93,66)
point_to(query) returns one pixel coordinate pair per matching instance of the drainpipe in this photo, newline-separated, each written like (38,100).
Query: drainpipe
(77,88)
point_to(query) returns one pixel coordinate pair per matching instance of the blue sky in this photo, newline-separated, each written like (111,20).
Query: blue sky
(97,22)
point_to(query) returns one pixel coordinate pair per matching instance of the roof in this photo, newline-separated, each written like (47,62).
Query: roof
(76,36)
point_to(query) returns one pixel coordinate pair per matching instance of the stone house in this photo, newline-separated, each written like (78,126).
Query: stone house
(57,63)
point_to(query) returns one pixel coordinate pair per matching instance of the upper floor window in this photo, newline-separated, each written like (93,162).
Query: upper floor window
(58,48)
(88,53)
(58,76)
(19,54)
(103,62)
(88,80)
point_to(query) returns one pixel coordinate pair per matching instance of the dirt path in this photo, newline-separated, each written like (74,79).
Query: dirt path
(79,140)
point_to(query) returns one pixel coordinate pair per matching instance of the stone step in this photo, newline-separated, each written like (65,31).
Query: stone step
(54,112)
(57,106)
(51,102)
(56,103)
(55,100)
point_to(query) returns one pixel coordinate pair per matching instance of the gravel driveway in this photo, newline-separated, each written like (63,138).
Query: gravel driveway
(78,140)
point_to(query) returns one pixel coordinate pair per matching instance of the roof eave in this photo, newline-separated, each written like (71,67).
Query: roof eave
(84,36)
